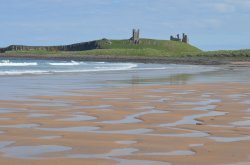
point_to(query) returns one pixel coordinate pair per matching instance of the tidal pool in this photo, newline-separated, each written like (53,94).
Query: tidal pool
(241,123)
(128,132)
(118,153)
(5,143)
(133,118)
(191,120)
(78,118)
(127,142)
(230,139)
(172,153)
(202,103)
(71,129)
(20,126)
(49,137)
(40,115)
(32,152)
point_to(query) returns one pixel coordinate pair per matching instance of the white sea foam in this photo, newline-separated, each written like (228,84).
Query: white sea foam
(9,63)
(116,67)
(50,67)
(54,70)
(13,73)
(72,63)
(99,69)
(159,68)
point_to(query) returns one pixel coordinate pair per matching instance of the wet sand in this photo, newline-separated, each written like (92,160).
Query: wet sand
(154,124)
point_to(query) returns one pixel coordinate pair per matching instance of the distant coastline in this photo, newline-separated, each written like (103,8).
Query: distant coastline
(202,60)
(176,50)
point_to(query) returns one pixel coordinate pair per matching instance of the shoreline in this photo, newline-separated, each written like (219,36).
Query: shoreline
(137,59)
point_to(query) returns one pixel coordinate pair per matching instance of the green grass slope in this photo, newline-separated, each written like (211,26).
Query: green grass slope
(227,53)
(147,47)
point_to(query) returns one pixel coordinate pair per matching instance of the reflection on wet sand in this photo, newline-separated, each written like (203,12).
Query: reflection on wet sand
(31,152)
(132,118)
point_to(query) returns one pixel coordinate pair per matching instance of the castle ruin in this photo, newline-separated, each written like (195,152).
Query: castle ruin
(184,38)
(135,39)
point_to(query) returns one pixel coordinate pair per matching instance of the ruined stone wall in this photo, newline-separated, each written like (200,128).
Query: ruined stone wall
(184,38)
(135,36)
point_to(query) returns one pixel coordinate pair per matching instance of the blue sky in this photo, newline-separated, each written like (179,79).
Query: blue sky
(211,24)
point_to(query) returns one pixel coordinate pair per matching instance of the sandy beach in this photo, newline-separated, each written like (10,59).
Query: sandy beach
(206,123)
(125,82)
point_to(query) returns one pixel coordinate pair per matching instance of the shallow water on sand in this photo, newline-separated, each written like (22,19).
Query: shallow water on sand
(71,129)
(133,118)
(66,76)
(32,152)
(19,78)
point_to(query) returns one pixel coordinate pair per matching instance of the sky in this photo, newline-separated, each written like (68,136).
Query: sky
(210,24)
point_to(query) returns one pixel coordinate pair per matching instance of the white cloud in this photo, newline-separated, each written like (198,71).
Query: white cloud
(229,6)
(193,24)
(239,3)
(224,7)
(214,23)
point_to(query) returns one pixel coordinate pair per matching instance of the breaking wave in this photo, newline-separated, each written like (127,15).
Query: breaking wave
(40,67)
(26,72)
(70,67)
(9,63)
(72,63)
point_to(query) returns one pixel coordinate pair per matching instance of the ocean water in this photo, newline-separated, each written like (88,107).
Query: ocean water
(23,78)
(39,67)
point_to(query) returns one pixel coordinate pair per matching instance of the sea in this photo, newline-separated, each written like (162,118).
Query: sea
(24,78)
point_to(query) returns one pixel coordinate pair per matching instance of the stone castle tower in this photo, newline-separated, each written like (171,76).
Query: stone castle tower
(135,36)
(185,38)
(178,38)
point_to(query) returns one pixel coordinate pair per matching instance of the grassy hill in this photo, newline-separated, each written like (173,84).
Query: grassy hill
(147,47)
(158,50)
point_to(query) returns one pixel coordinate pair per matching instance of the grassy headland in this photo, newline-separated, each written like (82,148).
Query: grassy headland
(148,50)
(147,47)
